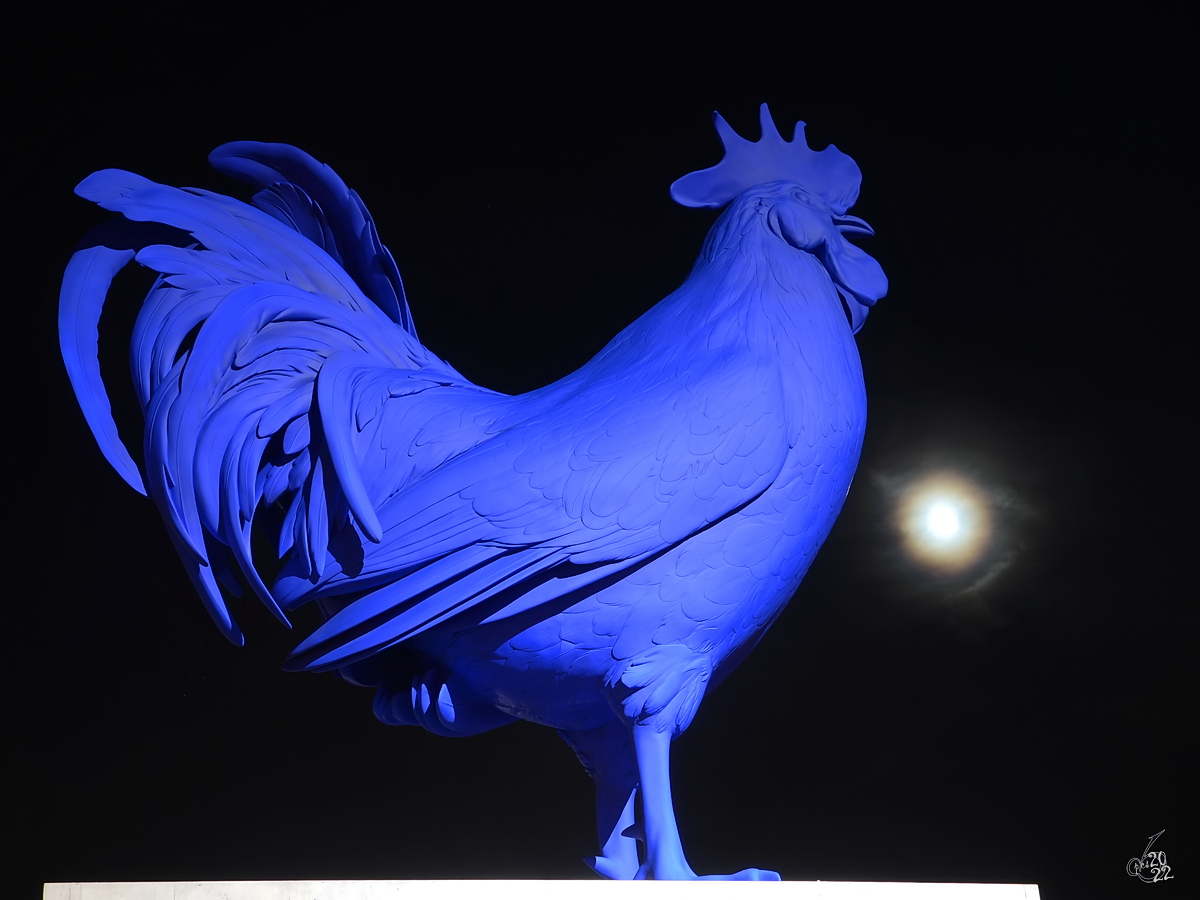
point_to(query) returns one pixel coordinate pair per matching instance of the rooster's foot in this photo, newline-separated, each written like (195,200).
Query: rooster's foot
(618,869)
(745,875)
(684,873)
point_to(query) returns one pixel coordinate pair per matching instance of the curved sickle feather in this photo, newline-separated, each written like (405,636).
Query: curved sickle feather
(348,231)
(80,302)
(335,404)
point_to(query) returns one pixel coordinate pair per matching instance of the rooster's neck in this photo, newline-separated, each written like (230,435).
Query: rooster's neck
(772,291)
(749,292)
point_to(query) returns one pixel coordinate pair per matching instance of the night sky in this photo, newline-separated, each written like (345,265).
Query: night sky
(1019,720)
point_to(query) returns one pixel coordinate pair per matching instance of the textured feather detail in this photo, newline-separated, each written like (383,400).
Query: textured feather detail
(335,401)
(406,621)
(311,198)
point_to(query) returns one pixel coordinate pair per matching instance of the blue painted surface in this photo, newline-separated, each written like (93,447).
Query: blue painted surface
(590,556)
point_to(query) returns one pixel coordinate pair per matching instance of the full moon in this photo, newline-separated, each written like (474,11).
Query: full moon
(945,520)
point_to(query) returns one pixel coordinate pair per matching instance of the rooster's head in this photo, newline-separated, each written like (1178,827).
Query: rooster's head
(804,195)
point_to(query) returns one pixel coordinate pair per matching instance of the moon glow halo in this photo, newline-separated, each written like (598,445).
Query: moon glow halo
(945,521)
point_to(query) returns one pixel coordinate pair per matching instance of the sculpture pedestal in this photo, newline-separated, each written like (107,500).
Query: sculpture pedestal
(535,890)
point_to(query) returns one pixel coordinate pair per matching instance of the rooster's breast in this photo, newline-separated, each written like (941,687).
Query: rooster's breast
(711,595)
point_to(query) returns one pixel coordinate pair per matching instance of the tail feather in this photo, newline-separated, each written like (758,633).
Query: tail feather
(235,525)
(168,317)
(265,358)
(311,199)
(241,244)
(81,301)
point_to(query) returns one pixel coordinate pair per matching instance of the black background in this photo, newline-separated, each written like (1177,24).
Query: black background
(1022,722)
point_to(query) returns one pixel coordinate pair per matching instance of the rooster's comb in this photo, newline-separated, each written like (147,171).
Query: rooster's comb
(828,173)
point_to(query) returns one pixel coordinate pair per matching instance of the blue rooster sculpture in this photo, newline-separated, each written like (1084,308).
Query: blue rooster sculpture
(592,556)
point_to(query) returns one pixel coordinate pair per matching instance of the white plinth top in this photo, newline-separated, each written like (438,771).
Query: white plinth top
(536,890)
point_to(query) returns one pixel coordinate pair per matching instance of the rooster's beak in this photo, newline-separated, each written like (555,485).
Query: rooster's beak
(852,225)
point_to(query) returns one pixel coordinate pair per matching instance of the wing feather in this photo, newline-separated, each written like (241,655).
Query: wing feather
(558,539)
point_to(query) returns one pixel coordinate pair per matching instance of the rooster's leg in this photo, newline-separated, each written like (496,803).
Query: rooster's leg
(664,852)
(607,755)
